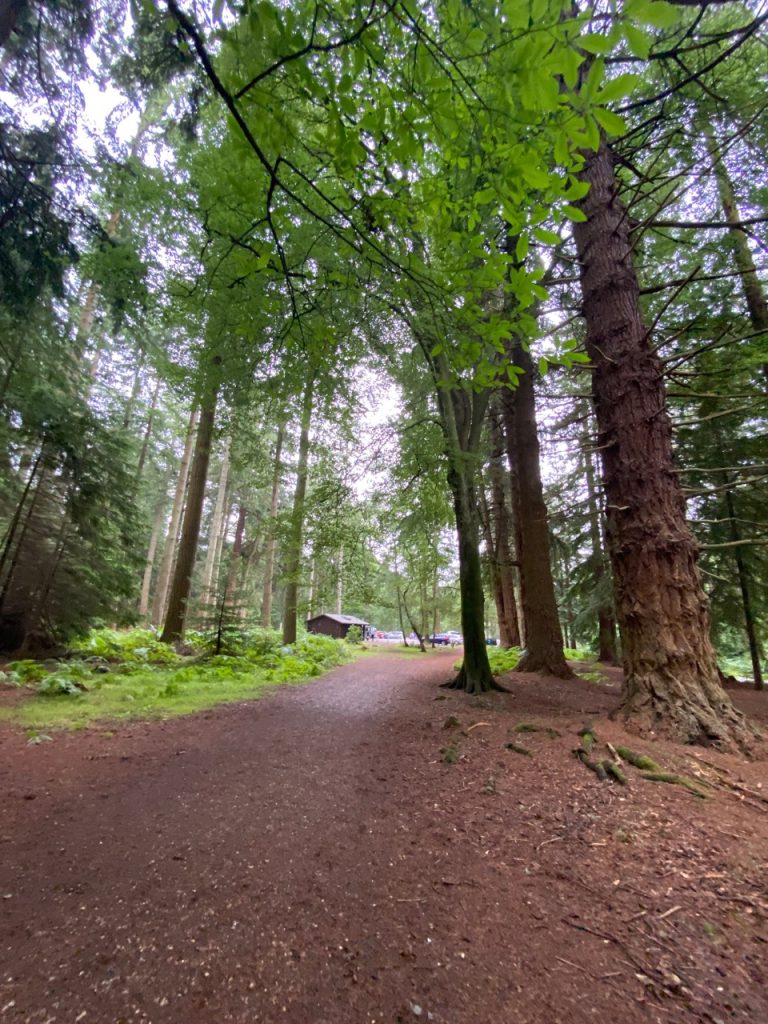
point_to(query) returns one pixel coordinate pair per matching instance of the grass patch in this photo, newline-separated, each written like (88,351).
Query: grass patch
(80,693)
(370,648)
(595,677)
(579,654)
(501,660)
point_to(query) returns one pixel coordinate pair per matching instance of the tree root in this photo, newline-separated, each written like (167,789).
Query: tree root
(473,687)
(518,749)
(588,737)
(655,773)
(616,771)
(641,761)
(674,780)
(594,766)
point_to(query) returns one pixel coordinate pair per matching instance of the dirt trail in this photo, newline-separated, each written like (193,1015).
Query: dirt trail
(311,858)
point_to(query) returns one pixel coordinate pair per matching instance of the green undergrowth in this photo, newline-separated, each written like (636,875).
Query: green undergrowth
(122,675)
(505,659)
(739,667)
(501,660)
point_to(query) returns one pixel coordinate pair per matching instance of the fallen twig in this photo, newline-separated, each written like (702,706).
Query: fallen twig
(669,913)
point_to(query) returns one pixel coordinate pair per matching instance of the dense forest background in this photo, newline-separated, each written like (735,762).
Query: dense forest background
(295,294)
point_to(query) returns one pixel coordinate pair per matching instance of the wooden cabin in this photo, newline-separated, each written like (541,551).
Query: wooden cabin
(332,624)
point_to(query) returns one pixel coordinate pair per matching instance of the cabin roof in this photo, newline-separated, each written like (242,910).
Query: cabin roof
(345,620)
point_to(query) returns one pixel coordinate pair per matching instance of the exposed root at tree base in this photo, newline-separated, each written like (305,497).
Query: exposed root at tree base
(474,686)
(690,719)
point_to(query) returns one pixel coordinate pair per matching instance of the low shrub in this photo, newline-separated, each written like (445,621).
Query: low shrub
(139,646)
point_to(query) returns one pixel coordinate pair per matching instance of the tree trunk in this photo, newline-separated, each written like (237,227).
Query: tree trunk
(502,526)
(172,537)
(252,552)
(210,569)
(543,636)
(462,416)
(606,622)
(135,390)
(293,546)
(175,618)
(486,519)
(154,540)
(13,526)
(750,282)
(269,554)
(746,597)
(671,677)
(340,581)
(34,620)
(148,431)
(235,558)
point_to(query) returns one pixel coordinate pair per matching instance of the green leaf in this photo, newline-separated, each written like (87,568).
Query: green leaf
(576,190)
(592,130)
(594,78)
(612,123)
(521,249)
(546,236)
(618,88)
(595,43)
(543,365)
(485,195)
(638,41)
(575,214)
(652,12)
(562,152)
(569,63)
(534,176)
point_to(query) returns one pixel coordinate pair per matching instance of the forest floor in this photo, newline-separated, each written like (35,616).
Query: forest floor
(314,858)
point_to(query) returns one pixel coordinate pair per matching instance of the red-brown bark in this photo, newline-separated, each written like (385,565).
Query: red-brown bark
(501,534)
(671,677)
(176,615)
(543,635)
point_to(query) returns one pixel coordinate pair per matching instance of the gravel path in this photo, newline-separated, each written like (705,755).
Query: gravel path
(307,858)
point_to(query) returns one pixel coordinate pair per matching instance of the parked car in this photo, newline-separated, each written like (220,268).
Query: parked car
(491,641)
(395,636)
(439,640)
(455,638)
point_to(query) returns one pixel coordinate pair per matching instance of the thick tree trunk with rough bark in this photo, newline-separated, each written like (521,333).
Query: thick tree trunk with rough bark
(671,677)
(543,636)
(293,546)
(160,599)
(269,555)
(175,618)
